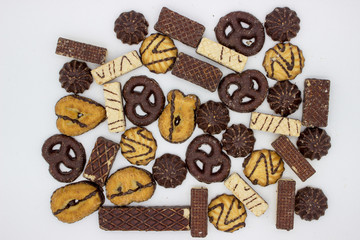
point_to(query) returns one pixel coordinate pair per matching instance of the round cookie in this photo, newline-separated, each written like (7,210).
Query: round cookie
(314,143)
(138,146)
(263,167)
(169,171)
(158,53)
(283,62)
(212,117)
(130,184)
(75,77)
(177,121)
(131,27)
(238,140)
(310,203)
(227,213)
(244,28)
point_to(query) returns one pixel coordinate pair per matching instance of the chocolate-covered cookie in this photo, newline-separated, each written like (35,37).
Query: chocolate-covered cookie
(246,34)
(314,143)
(131,27)
(247,97)
(238,140)
(212,117)
(310,203)
(75,77)
(169,170)
(134,99)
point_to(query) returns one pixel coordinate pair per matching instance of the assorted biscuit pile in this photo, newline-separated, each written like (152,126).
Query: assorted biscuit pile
(178,114)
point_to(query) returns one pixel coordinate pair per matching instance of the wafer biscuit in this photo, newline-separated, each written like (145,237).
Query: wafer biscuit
(114,107)
(285,204)
(198,214)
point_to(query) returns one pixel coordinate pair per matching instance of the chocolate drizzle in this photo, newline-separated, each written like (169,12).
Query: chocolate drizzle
(74,202)
(130,191)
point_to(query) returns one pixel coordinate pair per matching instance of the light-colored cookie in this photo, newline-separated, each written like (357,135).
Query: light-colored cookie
(116,67)
(114,107)
(246,194)
(221,54)
(275,124)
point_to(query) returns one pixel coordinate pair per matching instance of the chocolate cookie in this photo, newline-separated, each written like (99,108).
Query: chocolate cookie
(246,36)
(210,161)
(247,97)
(56,157)
(282,24)
(238,140)
(212,117)
(284,98)
(75,77)
(131,27)
(310,203)
(169,171)
(314,143)
(134,99)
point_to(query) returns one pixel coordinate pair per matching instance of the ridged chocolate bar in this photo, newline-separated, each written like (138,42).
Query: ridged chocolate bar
(179,27)
(285,204)
(289,153)
(81,51)
(101,160)
(199,212)
(197,71)
(316,103)
(144,218)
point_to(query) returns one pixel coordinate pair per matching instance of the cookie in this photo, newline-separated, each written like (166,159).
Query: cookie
(285,204)
(284,98)
(129,184)
(151,109)
(179,27)
(238,140)
(310,203)
(263,167)
(131,27)
(169,170)
(158,53)
(215,165)
(227,213)
(177,121)
(314,143)
(56,157)
(75,77)
(247,96)
(114,107)
(282,24)
(77,115)
(138,146)
(101,160)
(199,212)
(75,201)
(246,34)
(283,62)
(212,117)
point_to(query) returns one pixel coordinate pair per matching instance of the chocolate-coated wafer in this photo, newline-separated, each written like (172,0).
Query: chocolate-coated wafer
(197,71)
(144,218)
(288,152)
(199,212)
(179,27)
(316,103)
(81,51)
(285,204)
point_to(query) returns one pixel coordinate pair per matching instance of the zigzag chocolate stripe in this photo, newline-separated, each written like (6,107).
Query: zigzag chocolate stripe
(114,107)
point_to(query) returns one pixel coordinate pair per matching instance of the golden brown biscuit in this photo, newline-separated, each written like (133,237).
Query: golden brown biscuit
(130,184)
(263,167)
(227,213)
(158,53)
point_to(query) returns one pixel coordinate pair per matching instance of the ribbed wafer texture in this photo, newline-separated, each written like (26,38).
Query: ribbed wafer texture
(199,210)
(285,204)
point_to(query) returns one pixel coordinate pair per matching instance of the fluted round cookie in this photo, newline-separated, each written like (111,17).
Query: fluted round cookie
(238,140)
(75,77)
(212,117)
(310,203)
(263,167)
(314,143)
(169,170)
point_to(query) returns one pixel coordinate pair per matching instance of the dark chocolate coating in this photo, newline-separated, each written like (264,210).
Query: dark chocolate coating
(131,27)
(310,203)
(238,140)
(314,143)
(169,170)
(212,117)
(75,77)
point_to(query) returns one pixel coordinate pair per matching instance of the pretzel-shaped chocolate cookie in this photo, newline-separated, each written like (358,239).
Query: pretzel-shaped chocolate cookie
(134,99)
(216,158)
(56,157)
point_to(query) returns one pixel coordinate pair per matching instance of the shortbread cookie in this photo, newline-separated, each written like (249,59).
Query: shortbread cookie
(75,77)
(138,146)
(158,53)
(114,107)
(131,27)
(275,124)
(285,204)
(117,67)
(221,54)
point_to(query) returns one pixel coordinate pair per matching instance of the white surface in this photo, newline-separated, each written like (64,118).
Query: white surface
(329,37)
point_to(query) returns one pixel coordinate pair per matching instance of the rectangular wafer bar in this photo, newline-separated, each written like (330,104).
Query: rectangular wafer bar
(246,194)
(114,107)
(275,124)
(285,204)
(316,103)
(117,67)
(179,27)
(196,71)
(199,212)
(81,51)
(221,54)
(289,153)
(144,218)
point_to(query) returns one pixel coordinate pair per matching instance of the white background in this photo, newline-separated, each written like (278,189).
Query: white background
(329,37)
